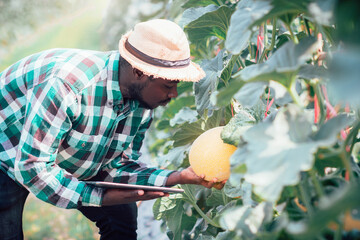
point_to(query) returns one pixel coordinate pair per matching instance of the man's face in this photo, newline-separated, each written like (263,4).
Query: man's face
(154,92)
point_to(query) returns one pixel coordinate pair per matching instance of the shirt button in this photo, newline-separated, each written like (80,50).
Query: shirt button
(83,144)
(123,145)
(110,103)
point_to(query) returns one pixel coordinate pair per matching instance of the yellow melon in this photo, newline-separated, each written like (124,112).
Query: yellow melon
(210,156)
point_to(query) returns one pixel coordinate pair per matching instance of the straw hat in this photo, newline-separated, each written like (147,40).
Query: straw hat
(160,48)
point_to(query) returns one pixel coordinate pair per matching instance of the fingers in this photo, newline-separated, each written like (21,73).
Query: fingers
(214,183)
(121,196)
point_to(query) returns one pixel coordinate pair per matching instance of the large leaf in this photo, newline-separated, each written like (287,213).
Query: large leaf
(245,220)
(250,93)
(184,115)
(202,23)
(216,198)
(175,156)
(197,3)
(187,133)
(344,77)
(224,95)
(344,198)
(246,13)
(176,105)
(232,132)
(284,9)
(192,14)
(283,64)
(322,11)
(206,86)
(278,150)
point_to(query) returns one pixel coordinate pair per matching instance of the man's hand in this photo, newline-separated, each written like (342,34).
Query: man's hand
(123,196)
(188,176)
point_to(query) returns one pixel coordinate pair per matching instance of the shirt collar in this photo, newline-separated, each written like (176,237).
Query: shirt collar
(114,93)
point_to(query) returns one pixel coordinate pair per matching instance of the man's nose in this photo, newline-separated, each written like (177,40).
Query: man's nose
(173,93)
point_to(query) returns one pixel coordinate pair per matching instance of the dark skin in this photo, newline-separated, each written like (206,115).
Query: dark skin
(152,92)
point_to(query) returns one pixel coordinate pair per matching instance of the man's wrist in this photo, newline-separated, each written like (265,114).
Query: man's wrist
(174,178)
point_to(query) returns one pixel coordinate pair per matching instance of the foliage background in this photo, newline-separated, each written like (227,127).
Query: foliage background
(30,26)
(260,60)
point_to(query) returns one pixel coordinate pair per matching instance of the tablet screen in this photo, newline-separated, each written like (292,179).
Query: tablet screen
(134,186)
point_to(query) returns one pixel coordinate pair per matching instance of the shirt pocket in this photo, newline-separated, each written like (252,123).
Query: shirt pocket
(121,142)
(83,142)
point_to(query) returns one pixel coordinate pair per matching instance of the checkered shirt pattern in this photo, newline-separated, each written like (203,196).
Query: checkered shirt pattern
(63,121)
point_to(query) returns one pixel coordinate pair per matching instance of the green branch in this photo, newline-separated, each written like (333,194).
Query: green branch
(192,200)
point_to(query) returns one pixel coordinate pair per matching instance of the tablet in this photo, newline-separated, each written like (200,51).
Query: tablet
(134,186)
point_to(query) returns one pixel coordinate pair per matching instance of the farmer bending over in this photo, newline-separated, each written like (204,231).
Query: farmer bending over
(68,116)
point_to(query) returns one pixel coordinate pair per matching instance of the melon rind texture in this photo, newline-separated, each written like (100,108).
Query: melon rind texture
(210,156)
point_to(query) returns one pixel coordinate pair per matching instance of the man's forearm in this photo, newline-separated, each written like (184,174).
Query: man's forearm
(174,178)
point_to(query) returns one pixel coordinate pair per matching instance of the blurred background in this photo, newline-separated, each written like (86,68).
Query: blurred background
(30,26)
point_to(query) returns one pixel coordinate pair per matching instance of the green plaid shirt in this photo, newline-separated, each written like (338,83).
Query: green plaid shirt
(63,120)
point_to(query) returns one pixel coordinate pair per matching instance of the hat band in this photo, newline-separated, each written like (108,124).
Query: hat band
(155,61)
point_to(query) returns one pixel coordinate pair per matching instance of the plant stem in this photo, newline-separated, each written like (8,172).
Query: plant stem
(350,140)
(272,45)
(191,199)
(320,98)
(338,232)
(292,91)
(293,37)
(316,182)
(347,164)
(203,215)
(306,23)
(305,198)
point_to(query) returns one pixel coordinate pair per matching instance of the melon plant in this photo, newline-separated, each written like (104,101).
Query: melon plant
(282,78)
(210,156)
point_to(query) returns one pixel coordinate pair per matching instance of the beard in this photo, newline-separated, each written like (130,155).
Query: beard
(135,90)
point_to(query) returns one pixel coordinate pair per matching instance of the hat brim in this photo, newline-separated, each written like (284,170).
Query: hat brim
(190,73)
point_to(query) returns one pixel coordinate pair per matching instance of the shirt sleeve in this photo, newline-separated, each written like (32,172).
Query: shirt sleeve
(125,169)
(51,106)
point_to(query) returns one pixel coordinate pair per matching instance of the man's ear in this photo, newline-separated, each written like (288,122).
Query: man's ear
(137,73)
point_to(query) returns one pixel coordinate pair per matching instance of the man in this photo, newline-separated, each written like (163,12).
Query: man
(68,116)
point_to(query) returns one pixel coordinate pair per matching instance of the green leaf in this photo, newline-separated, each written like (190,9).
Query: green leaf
(225,95)
(322,11)
(233,131)
(198,3)
(174,219)
(328,132)
(213,22)
(245,220)
(206,86)
(277,151)
(227,235)
(283,64)
(192,14)
(175,156)
(327,158)
(247,12)
(163,205)
(184,115)
(243,190)
(185,87)
(311,72)
(282,96)
(229,68)
(187,133)
(176,105)
(284,9)
(219,118)
(216,198)
(344,75)
(344,198)
(250,93)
